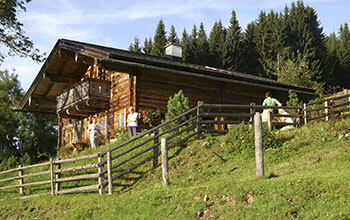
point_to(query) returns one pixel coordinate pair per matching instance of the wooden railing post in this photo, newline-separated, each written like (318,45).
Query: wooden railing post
(199,120)
(58,175)
(305,114)
(21,182)
(101,175)
(346,92)
(165,171)
(259,154)
(269,120)
(326,110)
(155,149)
(52,177)
(252,112)
(109,172)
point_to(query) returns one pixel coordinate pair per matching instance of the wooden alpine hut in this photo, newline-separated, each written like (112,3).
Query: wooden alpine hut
(79,80)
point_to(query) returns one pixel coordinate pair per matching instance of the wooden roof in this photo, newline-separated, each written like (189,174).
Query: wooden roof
(69,60)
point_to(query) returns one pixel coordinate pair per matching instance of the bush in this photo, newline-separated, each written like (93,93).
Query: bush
(25,160)
(176,106)
(240,139)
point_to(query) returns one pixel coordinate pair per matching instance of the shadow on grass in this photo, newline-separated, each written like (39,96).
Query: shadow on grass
(272,175)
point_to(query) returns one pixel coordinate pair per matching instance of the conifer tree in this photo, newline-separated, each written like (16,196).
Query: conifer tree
(305,37)
(177,105)
(147,46)
(203,46)
(270,42)
(232,53)
(332,62)
(173,36)
(185,41)
(216,44)
(192,51)
(159,40)
(135,47)
(250,54)
(344,56)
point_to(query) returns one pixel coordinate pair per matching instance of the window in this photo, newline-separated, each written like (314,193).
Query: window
(69,138)
(104,128)
(120,119)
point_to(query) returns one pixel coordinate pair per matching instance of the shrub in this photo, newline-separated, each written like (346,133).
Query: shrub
(240,139)
(25,160)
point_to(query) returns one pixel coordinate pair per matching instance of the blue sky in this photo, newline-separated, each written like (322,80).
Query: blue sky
(116,23)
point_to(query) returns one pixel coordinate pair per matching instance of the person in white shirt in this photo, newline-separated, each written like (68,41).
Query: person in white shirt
(93,131)
(132,122)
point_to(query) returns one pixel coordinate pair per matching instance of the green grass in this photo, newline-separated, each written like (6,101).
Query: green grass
(307,176)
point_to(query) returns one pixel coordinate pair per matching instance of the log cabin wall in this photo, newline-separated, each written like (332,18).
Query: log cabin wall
(155,88)
(123,96)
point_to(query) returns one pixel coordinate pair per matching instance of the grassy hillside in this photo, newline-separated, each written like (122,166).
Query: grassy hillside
(307,176)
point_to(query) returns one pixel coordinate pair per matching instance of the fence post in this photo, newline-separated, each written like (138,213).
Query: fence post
(305,114)
(346,92)
(58,175)
(199,120)
(20,173)
(326,110)
(259,154)
(252,112)
(52,177)
(109,172)
(101,175)
(269,120)
(165,171)
(155,149)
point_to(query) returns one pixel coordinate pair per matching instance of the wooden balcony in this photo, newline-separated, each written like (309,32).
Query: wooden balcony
(82,99)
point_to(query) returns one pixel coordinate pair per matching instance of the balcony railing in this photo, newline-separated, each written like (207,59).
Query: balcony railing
(84,98)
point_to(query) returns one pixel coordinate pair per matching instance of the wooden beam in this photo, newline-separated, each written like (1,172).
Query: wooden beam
(64,65)
(88,109)
(43,100)
(49,89)
(62,79)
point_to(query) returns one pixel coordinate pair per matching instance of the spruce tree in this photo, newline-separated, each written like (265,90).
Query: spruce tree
(216,45)
(270,42)
(185,41)
(232,53)
(332,62)
(173,36)
(250,54)
(147,46)
(159,40)
(203,46)
(305,37)
(135,47)
(344,56)
(177,105)
(192,51)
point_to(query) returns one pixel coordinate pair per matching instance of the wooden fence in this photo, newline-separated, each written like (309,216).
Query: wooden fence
(51,174)
(104,168)
(231,114)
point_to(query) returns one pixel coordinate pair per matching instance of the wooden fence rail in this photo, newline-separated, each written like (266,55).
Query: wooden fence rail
(54,179)
(122,159)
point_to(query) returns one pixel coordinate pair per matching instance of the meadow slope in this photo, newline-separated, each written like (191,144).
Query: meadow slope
(307,176)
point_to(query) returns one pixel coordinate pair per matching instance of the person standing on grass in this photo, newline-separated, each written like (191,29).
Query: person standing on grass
(132,122)
(93,131)
(269,101)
